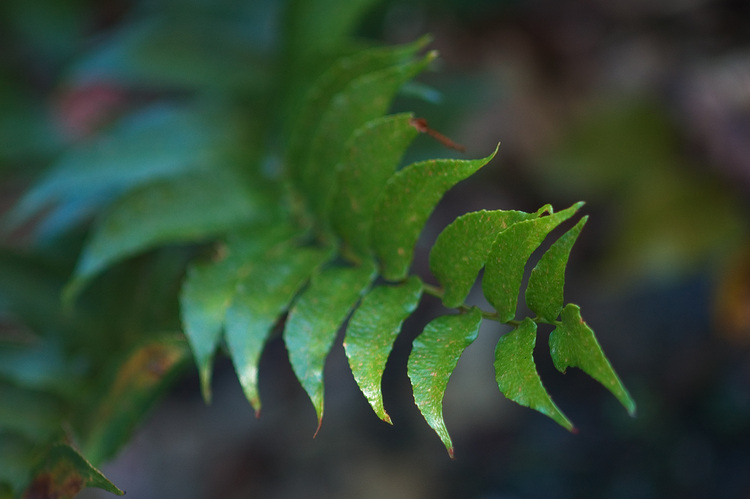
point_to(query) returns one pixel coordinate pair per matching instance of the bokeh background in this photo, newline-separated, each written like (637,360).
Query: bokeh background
(640,108)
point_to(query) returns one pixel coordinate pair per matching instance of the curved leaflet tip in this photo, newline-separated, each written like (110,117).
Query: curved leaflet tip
(505,265)
(315,319)
(371,333)
(516,374)
(410,196)
(433,358)
(573,344)
(545,290)
(462,248)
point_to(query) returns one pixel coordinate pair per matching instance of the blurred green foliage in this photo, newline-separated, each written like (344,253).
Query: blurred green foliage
(205,142)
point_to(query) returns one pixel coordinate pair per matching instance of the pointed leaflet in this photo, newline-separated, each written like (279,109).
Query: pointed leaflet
(573,344)
(516,373)
(136,384)
(365,98)
(188,208)
(505,265)
(63,472)
(209,287)
(369,160)
(407,202)
(371,332)
(205,297)
(433,358)
(315,319)
(544,293)
(260,298)
(308,115)
(461,250)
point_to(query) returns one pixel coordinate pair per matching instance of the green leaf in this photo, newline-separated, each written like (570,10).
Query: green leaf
(544,293)
(17,459)
(371,332)
(28,133)
(369,160)
(573,344)
(260,298)
(516,374)
(206,294)
(209,288)
(315,319)
(433,358)
(187,209)
(41,366)
(462,248)
(408,200)
(153,143)
(136,384)
(309,113)
(30,287)
(64,472)
(34,414)
(314,26)
(505,265)
(179,51)
(365,98)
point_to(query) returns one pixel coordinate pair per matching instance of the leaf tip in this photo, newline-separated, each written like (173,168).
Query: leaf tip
(320,423)
(451,454)
(431,56)
(70,293)
(493,154)
(631,407)
(206,391)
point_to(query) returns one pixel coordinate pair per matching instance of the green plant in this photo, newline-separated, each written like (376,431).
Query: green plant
(262,198)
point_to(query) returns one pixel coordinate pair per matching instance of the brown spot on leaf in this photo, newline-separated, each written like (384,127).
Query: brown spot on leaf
(44,486)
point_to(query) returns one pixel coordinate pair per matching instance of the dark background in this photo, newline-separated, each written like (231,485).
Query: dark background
(640,108)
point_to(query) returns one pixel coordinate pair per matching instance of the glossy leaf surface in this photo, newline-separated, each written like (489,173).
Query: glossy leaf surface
(544,293)
(365,98)
(371,332)
(209,288)
(334,80)
(573,344)
(462,248)
(261,297)
(206,296)
(369,160)
(505,265)
(516,374)
(433,358)
(315,319)
(410,196)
